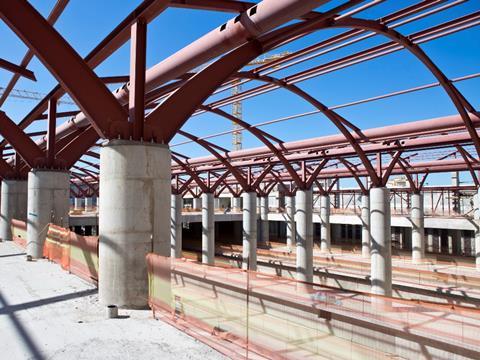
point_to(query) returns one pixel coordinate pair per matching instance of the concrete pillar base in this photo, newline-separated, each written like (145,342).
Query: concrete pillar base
(13,206)
(264,228)
(249,251)
(134,205)
(208,229)
(48,202)
(290,220)
(365,218)
(418,230)
(304,220)
(381,253)
(325,236)
(197,203)
(176,226)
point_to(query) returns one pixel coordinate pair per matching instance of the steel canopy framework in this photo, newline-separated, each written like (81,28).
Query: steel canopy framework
(174,90)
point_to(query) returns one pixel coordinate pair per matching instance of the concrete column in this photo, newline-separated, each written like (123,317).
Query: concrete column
(13,206)
(135,183)
(455,235)
(78,204)
(208,229)
(325,236)
(417,219)
(236,204)
(476,216)
(304,220)
(365,218)
(48,202)
(381,254)
(430,240)
(249,231)
(264,228)
(88,204)
(290,220)
(463,249)
(197,203)
(176,225)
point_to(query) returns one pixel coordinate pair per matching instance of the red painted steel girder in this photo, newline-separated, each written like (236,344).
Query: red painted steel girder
(387,134)
(24,146)
(52,18)
(147,10)
(75,76)
(16,69)
(269,14)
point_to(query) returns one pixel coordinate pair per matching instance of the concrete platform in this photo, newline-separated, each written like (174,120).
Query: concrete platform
(46,313)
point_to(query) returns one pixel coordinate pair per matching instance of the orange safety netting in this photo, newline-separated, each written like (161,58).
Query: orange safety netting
(19,232)
(275,317)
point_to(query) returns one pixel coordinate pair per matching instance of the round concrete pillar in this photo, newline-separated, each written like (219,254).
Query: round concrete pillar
(290,220)
(476,216)
(48,202)
(176,226)
(197,203)
(381,253)
(264,228)
(365,218)
(325,236)
(304,221)
(236,204)
(135,185)
(249,251)
(208,229)
(216,202)
(88,204)
(417,219)
(13,205)
(78,204)
(430,240)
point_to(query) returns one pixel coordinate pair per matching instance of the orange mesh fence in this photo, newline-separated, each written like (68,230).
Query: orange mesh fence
(83,256)
(274,317)
(75,253)
(19,232)
(56,247)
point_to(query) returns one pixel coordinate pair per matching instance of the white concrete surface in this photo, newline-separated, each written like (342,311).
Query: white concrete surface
(13,205)
(134,206)
(325,236)
(380,230)
(176,226)
(48,202)
(304,244)
(365,218)
(264,228)
(208,228)
(418,230)
(249,248)
(46,313)
(237,204)
(289,217)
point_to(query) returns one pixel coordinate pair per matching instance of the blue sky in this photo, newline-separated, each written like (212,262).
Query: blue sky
(85,23)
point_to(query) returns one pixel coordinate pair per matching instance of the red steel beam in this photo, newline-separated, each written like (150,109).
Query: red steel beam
(148,10)
(136,104)
(16,69)
(52,18)
(23,145)
(75,76)
(52,123)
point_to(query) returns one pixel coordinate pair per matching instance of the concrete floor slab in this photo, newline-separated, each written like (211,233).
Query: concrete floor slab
(46,313)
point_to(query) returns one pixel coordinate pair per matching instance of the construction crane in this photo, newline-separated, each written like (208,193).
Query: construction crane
(237,110)
(31,95)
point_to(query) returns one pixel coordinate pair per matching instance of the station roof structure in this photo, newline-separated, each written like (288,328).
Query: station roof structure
(362,89)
